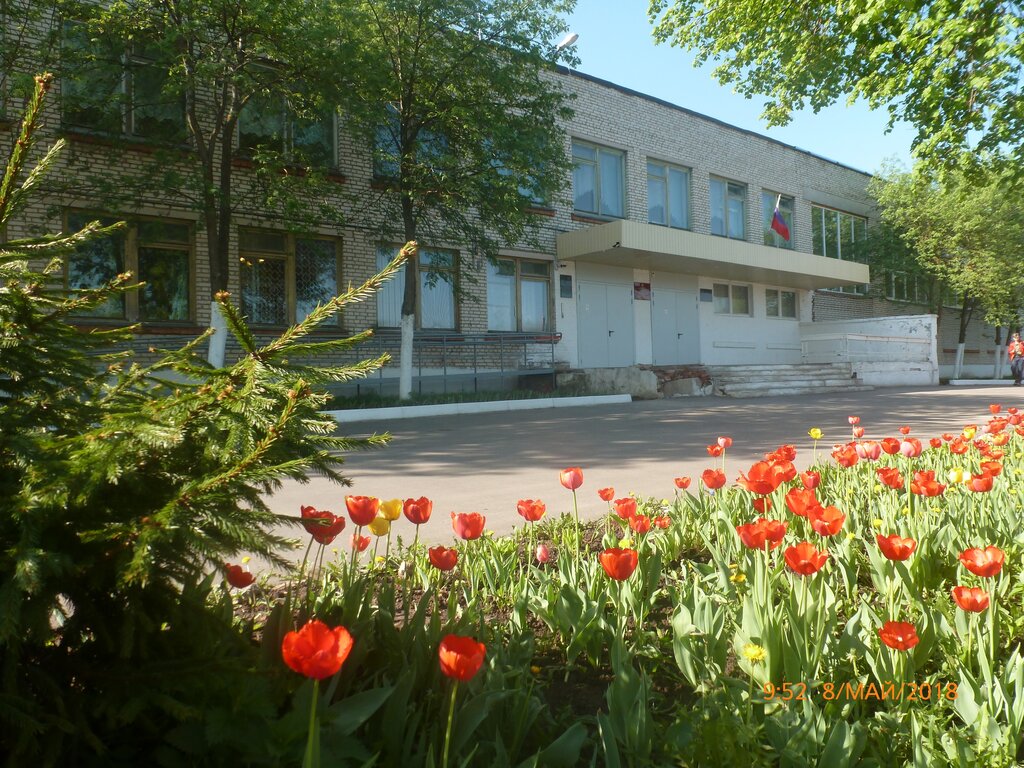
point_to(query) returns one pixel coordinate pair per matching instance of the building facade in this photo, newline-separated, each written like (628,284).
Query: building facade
(664,253)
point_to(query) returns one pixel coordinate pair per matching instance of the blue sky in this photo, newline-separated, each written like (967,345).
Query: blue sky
(615,44)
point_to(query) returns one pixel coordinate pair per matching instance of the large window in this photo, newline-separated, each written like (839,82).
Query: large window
(598,179)
(906,286)
(436,272)
(731,299)
(430,149)
(518,295)
(115,88)
(779,303)
(157,252)
(786,204)
(668,195)
(835,234)
(268,122)
(285,276)
(728,208)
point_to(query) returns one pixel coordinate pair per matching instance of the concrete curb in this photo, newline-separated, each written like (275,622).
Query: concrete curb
(448,409)
(981,382)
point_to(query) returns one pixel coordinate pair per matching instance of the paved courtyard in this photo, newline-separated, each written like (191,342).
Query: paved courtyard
(487,462)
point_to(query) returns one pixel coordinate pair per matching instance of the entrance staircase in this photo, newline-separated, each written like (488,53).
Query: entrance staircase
(772,380)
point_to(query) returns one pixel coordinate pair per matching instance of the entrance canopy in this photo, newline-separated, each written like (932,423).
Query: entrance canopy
(626,243)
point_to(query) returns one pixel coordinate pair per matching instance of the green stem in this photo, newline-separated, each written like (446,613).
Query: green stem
(448,729)
(311,760)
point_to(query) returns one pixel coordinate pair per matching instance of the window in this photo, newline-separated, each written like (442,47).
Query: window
(668,195)
(436,299)
(835,234)
(786,204)
(158,252)
(284,276)
(906,286)
(598,179)
(731,299)
(115,89)
(269,122)
(430,148)
(728,209)
(517,295)
(778,303)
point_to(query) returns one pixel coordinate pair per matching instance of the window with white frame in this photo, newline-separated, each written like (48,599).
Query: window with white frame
(285,276)
(114,88)
(598,179)
(158,252)
(786,206)
(518,295)
(728,208)
(906,286)
(668,195)
(731,299)
(436,270)
(780,303)
(835,234)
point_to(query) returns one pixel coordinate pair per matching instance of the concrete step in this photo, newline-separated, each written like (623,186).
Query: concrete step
(787,391)
(785,379)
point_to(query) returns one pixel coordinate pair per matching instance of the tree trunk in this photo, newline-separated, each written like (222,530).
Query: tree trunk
(408,305)
(218,235)
(997,367)
(965,319)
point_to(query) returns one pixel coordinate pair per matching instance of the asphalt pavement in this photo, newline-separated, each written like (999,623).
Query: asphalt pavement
(487,462)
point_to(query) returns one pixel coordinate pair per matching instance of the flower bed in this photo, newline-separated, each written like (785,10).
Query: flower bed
(864,612)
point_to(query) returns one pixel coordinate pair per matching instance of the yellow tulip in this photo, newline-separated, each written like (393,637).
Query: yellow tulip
(392,510)
(380,525)
(815,433)
(956,475)
(969,433)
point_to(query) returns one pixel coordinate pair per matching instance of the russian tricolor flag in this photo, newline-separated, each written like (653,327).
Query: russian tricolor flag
(778,223)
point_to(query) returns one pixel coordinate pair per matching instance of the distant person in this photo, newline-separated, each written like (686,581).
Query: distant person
(1015,351)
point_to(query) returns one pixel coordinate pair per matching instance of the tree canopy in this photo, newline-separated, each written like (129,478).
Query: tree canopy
(952,70)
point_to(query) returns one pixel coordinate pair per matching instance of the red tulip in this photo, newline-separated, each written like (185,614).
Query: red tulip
(980,483)
(891,477)
(725,442)
(869,449)
(958,446)
(1002,439)
(606,494)
(804,559)
(972,599)
(571,478)
(857,432)
(935,442)
(801,501)
(763,504)
(619,564)
(784,452)
(911,447)
(947,436)
(360,543)
(417,511)
(461,657)
(763,477)
(443,558)
(682,483)
(542,554)
(713,478)
(625,508)
(640,524)
(924,484)
(845,455)
(810,479)
(995,408)
(662,521)
(854,420)
(904,430)
(315,650)
(238,577)
(890,445)
(993,468)
(531,510)
(362,509)
(985,562)
(322,526)
(895,547)
(899,635)
(754,535)
(468,525)
(714,450)
(827,521)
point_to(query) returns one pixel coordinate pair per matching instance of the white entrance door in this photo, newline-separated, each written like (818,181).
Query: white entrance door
(675,326)
(605,315)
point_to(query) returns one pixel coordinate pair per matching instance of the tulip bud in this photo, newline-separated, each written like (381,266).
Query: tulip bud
(542,553)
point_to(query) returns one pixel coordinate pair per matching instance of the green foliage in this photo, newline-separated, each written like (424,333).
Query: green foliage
(121,487)
(964,230)
(949,69)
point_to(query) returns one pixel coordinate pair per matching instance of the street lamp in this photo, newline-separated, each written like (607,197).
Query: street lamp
(568,40)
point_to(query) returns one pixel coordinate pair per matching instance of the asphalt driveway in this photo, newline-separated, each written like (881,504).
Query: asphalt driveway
(487,462)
